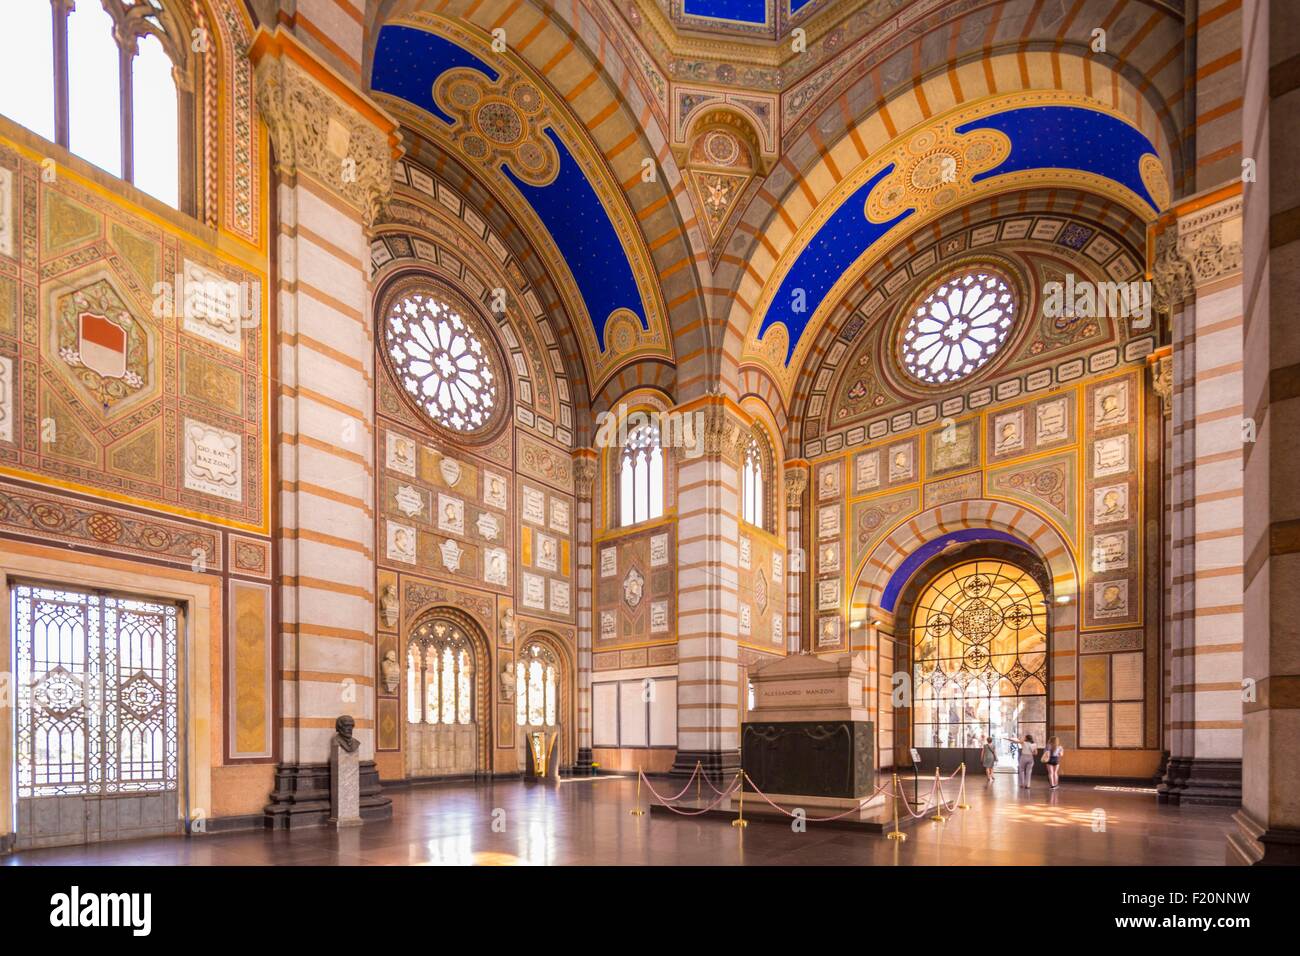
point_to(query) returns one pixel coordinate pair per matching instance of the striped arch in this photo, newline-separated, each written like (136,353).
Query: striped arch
(1028,527)
(567,707)
(791,198)
(757,383)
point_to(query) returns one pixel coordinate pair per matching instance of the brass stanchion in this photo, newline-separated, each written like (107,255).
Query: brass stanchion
(897,834)
(963,805)
(938,802)
(699,772)
(637,811)
(740,821)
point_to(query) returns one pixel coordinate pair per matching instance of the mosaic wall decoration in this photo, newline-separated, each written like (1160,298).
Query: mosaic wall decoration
(1112,595)
(443,514)
(1048,485)
(133,361)
(546,555)
(760,590)
(873,518)
(636,588)
(250,672)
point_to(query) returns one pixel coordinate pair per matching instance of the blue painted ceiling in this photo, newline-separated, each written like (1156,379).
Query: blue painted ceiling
(1042,137)
(739,11)
(407,63)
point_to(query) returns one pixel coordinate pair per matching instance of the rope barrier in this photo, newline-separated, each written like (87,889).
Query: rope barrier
(690,813)
(934,800)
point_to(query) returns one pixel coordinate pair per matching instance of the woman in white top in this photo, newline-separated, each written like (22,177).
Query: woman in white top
(1028,750)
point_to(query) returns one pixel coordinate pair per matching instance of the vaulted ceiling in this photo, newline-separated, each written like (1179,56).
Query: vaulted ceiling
(708,182)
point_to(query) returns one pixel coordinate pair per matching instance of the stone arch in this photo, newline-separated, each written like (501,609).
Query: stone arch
(904,551)
(567,707)
(798,196)
(484,662)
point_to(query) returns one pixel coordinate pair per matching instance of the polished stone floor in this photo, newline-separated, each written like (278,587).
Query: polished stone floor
(586,821)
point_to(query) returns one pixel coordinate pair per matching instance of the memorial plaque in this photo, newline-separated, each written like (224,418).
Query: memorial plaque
(1094,725)
(1126,679)
(1126,724)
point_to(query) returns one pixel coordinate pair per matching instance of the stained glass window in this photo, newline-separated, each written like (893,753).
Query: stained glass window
(641,476)
(979,654)
(441,360)
(537,687)
(440,675)
(958,327)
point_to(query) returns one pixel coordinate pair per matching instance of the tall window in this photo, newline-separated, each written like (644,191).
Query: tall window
(537,687)
(100,78)
(641,476)
(979,655)
(753,504)
(439,675)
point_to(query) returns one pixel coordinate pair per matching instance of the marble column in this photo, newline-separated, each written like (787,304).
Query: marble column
(1198,281)
(1268,823)
(333,151)
(708,529)
(585,468)
(796,579)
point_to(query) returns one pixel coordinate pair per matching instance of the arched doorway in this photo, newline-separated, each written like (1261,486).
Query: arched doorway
(446,713)
(978,635)
(543,696)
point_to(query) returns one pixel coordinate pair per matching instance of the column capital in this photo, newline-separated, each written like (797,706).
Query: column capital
(797,471)
(1196,241)
(584,471)
(323,126)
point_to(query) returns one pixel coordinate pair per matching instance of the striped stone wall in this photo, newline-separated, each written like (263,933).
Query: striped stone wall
(1268,824)
(708,682)
(324,392)
(1199,262)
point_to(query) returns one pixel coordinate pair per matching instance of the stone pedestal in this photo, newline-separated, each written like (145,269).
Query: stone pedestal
(808,738)
(345,787)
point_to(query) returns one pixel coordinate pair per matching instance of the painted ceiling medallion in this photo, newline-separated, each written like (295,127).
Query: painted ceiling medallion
(498,122)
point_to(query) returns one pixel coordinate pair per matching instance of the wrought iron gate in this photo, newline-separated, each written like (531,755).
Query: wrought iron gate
(97,721)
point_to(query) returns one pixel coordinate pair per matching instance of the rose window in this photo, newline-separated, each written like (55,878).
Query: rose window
(958,327)
(441,361)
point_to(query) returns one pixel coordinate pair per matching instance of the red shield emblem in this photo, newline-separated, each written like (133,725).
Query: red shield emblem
(102,345)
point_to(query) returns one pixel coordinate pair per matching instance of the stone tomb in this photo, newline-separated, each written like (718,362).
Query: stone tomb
(808,742)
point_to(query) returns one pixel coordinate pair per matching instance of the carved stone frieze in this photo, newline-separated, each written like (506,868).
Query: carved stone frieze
(315,132)
(584,475)
(1201,247)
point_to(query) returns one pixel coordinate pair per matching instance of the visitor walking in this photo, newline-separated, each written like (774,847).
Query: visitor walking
(988,757)
(1028,750)
(1052,754)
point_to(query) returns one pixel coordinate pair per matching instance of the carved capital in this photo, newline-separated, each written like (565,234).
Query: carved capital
(1199,247)
(1162,382)
(318,132)
(796,480)
(584,474)
(725,435)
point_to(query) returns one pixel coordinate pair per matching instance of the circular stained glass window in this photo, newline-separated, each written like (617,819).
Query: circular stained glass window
(440,359)
(958,327)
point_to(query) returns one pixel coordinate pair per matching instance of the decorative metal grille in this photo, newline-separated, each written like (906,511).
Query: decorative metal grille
(979,654)
(97,693)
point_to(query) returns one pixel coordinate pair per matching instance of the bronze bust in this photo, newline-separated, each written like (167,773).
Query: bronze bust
(343,734)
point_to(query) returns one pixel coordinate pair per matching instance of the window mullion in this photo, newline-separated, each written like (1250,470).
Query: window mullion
(60,39)
(126,54)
